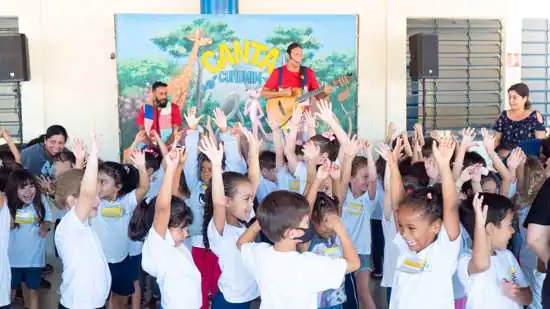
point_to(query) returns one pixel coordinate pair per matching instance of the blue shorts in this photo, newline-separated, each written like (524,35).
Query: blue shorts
(121,277)
(219,302)
(32,276)
(135,266)
(366,263)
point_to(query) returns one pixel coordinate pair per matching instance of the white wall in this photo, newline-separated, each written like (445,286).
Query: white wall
(74,79)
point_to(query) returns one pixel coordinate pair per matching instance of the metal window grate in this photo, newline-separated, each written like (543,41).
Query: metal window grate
(10,93)
(535,68)
(468,91)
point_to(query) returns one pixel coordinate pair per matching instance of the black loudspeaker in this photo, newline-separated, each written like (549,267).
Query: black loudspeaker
(424,52)
(14,58)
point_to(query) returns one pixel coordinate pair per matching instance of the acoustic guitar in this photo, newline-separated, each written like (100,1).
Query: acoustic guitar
(280,109)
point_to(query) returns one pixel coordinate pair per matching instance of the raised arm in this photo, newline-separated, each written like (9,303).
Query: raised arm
(325,114)
(320,177)
(278,144)
(351,149)
(137,158)
(396,183)
(348,250)
(481,253)
(215,154)
(290,145)
(254,146)
(79,150)
(164,198)
(191,145)
(388,210)
(177,175)
(442,154)
(514,161)
(371,167)
(468,136)
(88,187)
(11,145)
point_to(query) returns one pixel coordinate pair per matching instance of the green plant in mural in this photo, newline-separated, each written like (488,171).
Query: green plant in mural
(134,75)
(177,44)
(344,98)
(282,37)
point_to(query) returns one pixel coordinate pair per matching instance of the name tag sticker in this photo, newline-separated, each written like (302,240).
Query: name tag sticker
(112,212)
(24,217)
(295,185)
(413,265)
(355,209)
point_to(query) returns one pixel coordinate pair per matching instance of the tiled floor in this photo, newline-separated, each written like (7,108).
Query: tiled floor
(49,298)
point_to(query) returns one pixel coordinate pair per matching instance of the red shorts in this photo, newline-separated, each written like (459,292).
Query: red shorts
(207,263)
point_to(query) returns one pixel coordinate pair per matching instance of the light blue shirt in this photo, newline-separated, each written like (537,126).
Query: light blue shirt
(233,162)
(264,188)
(111,226)
(295,183)
(26,246)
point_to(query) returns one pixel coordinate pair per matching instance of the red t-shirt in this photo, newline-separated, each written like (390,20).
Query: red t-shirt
(291,80)
(175,117)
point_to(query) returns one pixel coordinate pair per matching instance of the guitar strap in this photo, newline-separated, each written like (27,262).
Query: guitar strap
(303,77)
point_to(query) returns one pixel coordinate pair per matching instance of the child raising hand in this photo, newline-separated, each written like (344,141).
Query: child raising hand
(164,254)
(428,242)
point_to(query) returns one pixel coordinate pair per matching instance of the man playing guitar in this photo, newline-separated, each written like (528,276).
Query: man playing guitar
(294,75)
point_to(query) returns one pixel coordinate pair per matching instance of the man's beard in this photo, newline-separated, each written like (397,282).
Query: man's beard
(162,103)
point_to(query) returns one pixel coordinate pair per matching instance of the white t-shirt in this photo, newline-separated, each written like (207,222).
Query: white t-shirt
(27,247)
(356,216)
(264,188)
(295,183)
(430,287)
(111,226)
(485,289)
(86,279)
(5,270)
(236,283)
(291,280)
(178,278)
(459,290)
(390,251)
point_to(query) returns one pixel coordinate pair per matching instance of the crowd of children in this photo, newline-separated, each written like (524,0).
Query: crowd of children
(220,222)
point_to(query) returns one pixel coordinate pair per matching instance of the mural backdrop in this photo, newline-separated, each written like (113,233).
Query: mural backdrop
(228,61)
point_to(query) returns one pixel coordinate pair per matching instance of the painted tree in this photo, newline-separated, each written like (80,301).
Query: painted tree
(282,37)
(135,75)
(177,44)
(344,98)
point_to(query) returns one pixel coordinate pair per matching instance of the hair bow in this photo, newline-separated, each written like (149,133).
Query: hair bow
(429,196)
(329,135)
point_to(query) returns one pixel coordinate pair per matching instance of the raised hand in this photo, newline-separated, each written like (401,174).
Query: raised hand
(183,155)
(444,151)
(79,149)
(432,169)
(296,118)
(46,184)
(311,151)
(220,119)
(468,137)
(141,137)
(309,119)
(137,158)
(480,210)
(352,148)
(172,159)
(213,152)
(515,159)
(335,172)
(325,111)
(488,140)
(323,172)
(254,143)
(192,119)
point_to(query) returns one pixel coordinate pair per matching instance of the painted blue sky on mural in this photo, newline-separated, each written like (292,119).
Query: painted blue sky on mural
(133,34)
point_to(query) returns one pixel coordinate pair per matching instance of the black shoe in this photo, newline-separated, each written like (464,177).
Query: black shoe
(45,284)
(48,269)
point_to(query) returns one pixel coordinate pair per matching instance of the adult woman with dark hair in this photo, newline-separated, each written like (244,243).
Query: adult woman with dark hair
(38,154)
(521,122)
